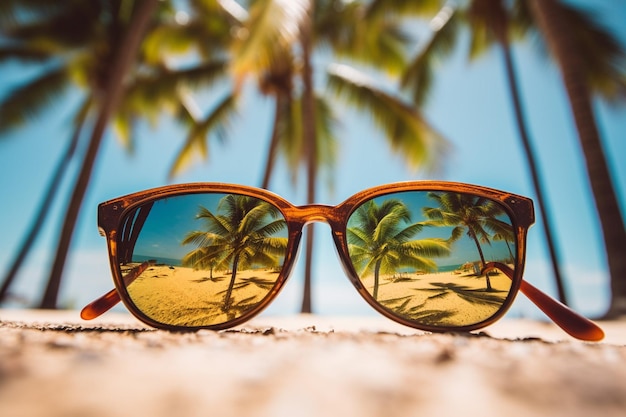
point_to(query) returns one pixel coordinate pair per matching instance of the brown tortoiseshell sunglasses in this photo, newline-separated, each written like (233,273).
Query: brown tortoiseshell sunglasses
(436,256)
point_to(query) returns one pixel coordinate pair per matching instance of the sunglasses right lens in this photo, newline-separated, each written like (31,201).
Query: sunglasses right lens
(421,255)
(198,260)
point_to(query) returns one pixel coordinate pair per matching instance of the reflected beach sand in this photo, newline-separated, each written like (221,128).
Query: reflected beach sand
(453,298)
(189,297)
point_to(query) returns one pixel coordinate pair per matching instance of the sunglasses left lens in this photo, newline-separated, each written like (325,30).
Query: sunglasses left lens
(198,260)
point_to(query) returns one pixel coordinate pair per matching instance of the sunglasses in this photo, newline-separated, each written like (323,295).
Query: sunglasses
(435,256)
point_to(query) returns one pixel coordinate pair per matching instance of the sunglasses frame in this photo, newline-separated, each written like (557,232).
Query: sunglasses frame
(519,209)
(111,214)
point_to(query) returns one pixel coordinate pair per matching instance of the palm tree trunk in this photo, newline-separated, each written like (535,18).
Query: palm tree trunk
(530,158)
(125,55)
(376,280)
(310,148)
(482,258)
(564,49)
(271,153)
(44,208)
(508,246)
(231,284)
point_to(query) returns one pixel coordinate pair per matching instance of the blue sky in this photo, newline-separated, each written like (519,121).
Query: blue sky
(469,105)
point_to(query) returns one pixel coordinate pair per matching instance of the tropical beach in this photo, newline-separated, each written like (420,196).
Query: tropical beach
(453,298)
(186,148)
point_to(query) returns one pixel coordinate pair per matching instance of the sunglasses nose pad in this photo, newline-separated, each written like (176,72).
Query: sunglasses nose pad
(344,258)
(292,253)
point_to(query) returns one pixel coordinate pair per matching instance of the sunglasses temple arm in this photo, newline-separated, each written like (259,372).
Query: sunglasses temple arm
(103,304)
(567,319)
(100,306)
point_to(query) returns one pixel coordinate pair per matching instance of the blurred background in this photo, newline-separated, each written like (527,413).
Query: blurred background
(398,90)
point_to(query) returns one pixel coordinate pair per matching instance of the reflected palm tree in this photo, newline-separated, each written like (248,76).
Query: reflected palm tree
(469,214)
(240,235)
(379,241)
(507,236)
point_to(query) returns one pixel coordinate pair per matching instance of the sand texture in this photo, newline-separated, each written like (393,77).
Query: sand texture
(53,364)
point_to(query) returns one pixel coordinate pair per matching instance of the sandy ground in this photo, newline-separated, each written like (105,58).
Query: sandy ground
(54,364)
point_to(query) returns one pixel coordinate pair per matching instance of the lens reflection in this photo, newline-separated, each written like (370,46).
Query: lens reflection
(201,259)
(420,255)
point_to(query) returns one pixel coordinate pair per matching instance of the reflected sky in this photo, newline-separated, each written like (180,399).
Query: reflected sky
(171,219)
(464,249)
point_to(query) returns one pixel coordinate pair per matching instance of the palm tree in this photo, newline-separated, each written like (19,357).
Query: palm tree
(380,241)
(492,21)
(489,22)
(276,44)
(243,235)
(58,34)
(185,54)
(153,88)
(42,211)
(591,61)
(24,42)
(122,62)
(477,217)
(505,234)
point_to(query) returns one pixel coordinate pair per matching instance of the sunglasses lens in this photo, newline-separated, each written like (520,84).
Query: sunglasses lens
(421,255)
(201,259)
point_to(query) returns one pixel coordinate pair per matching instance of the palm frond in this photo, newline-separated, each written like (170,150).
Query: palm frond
(206,34)
(408,232)
(169,40)
(25,54)
(603,56)
(428,247)
(488,21)
(196,141)
(27,102)
(408,133)
(13,12)
(123,123)
(422,8)
(272,28)
(376,41)
(521,23)
(164,83)
(420,72)
(58,29)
